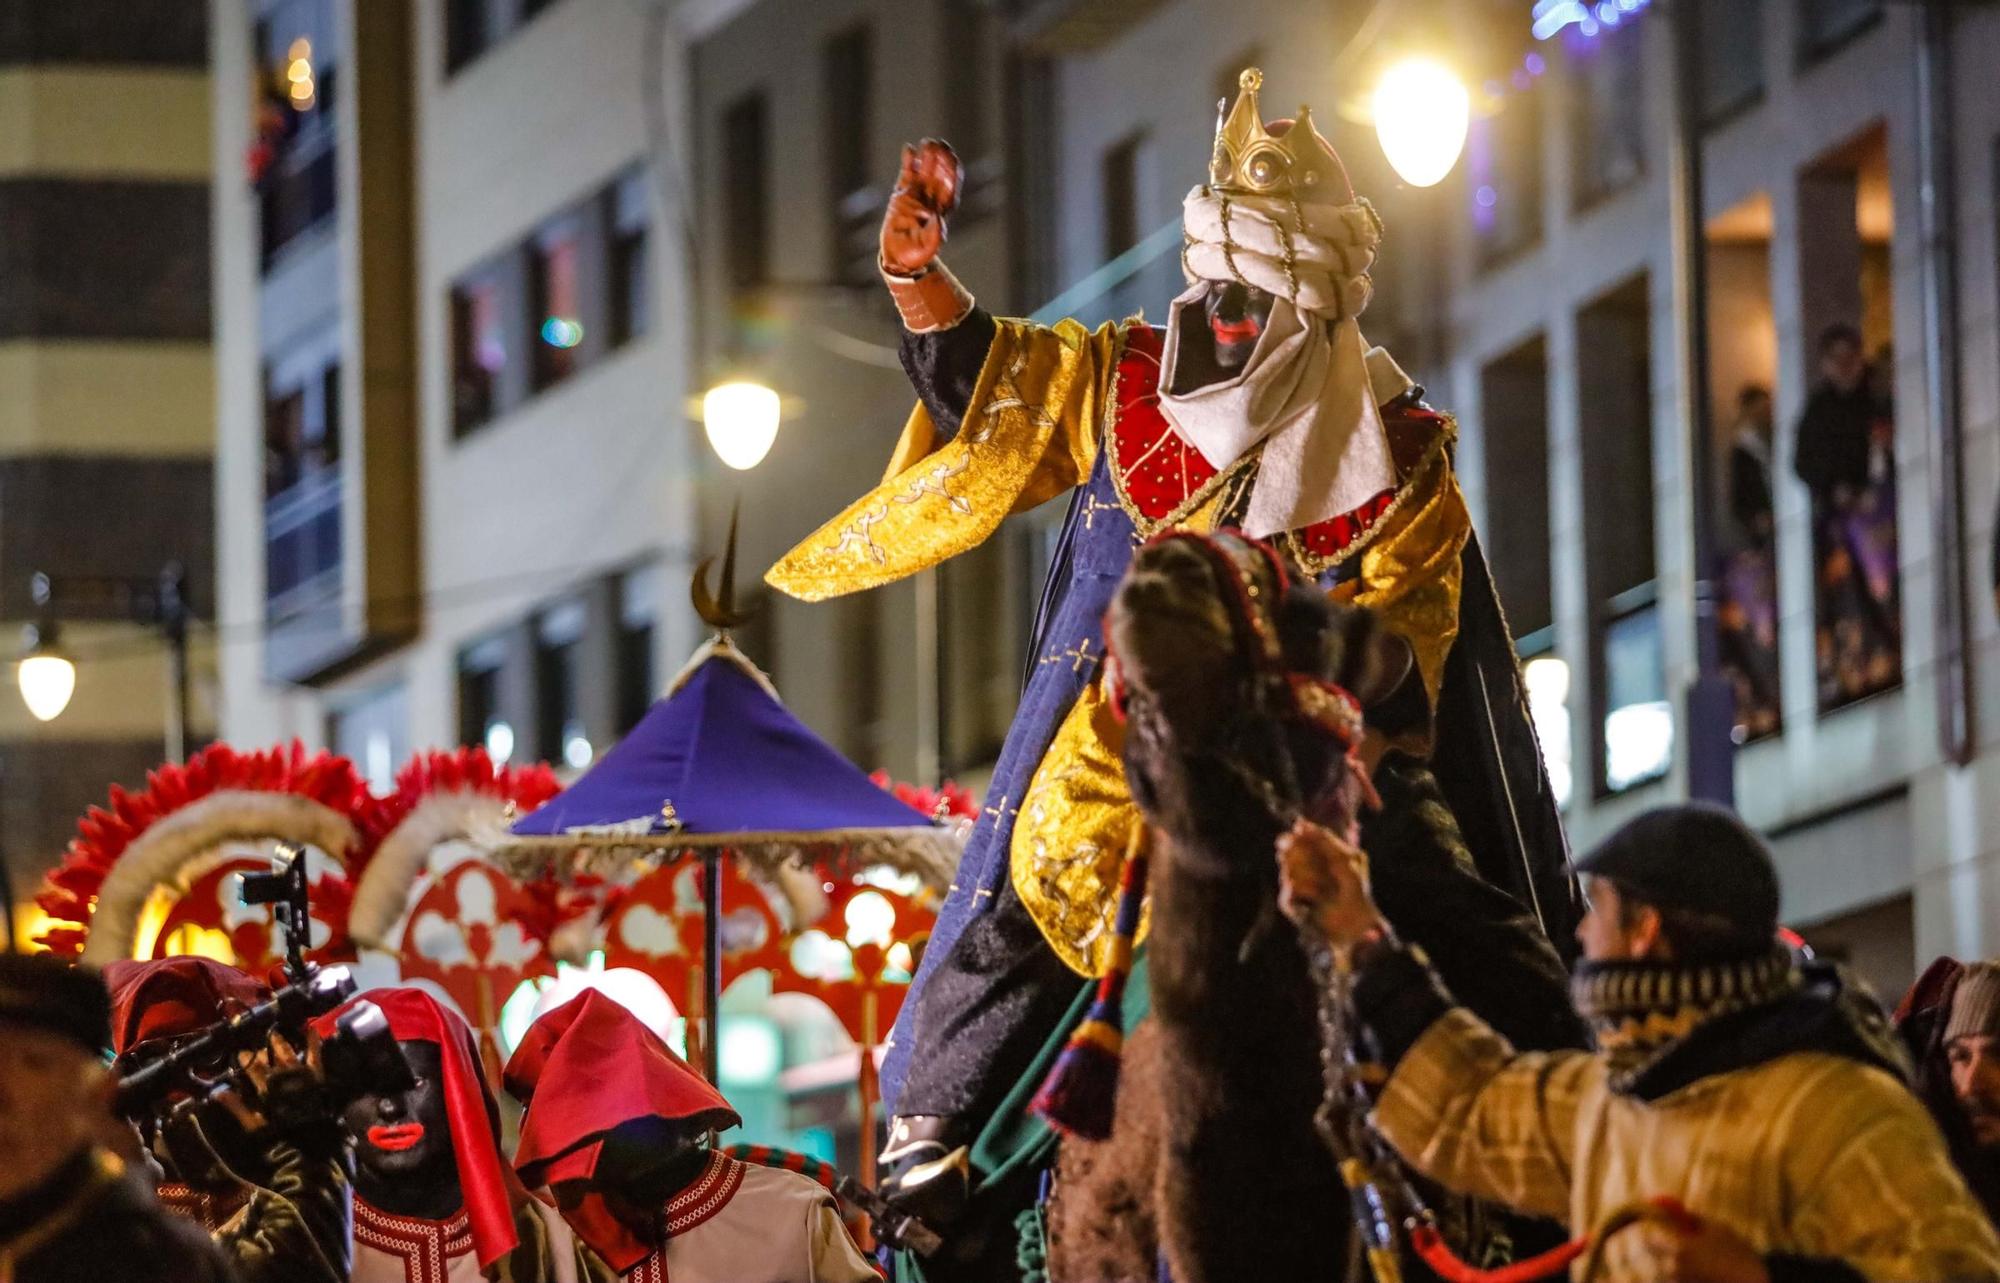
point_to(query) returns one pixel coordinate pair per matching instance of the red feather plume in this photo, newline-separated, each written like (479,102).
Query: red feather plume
(69,894)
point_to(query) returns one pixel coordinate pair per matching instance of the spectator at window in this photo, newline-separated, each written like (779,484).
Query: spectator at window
(1750,464)
(1833,439)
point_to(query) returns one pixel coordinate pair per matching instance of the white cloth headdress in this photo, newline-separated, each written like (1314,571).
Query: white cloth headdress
(1304,395)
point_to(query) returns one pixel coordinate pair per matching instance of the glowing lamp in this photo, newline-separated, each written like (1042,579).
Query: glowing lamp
(1422,112)
(47,676)
(741,420)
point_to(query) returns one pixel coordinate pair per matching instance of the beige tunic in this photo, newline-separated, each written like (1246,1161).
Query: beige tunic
(1808,1154)
(744,1223)
(406,1249)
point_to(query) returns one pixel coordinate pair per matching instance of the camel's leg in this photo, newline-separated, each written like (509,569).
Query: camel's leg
(1103,1226)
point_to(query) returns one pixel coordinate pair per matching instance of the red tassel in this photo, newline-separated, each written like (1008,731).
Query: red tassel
(1080,1095)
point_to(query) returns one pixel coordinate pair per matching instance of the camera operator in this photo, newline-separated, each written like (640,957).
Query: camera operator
(70,1209)
(267,1170)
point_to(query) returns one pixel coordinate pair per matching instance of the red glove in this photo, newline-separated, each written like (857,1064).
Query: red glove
(913,228)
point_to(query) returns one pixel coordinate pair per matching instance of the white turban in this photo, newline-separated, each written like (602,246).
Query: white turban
(1304,394)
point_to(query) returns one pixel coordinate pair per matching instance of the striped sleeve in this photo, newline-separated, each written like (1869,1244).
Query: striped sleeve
(1467,1110)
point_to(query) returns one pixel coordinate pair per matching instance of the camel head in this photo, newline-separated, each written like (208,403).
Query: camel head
(1242,686)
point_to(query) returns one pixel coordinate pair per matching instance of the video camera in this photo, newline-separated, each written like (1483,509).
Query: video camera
(360,1056)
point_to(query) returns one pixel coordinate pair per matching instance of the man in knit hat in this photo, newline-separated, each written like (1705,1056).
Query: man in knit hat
(1765,1095)
(617,1128)
(1972,1049)
(69,1208)
(1950,1021)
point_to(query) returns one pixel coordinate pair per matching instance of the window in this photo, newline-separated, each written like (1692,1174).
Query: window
(555,308)
(1732,56)
(468,30)
(970,40)
(638,595)
(746,191)
(1844,436)
(471,27)
(292,154)
(302,493)
(1121,197)
(1634,720)
(284,441)
(559,729)
(1504,172)
(550,306)
(848,62)
(1514,416)
(1608,129)
(480,720)
(1825,25)
(372,731)
(323,436)
(630,281)
(479,350)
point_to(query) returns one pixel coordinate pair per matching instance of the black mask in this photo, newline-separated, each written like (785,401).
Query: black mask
(404,1161)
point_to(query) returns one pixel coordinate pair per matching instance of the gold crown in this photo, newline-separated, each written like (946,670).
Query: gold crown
(1249,160)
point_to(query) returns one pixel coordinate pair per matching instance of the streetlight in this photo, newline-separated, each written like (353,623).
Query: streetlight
(741,420)
(1422,112)
(47,676)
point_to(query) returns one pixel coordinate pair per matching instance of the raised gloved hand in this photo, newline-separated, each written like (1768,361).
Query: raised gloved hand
(927,190)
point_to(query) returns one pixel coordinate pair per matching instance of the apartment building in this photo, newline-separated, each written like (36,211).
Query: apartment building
(456,479)
(1542,311)
(106,386)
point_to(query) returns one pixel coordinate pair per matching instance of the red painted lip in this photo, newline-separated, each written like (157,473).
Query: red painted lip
(1243,331)
(398,1138)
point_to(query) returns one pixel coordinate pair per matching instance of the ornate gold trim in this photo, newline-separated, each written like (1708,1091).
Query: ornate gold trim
(1316,565)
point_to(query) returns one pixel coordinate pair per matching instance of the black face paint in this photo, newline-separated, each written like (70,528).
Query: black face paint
(404,1162)
(1237,314)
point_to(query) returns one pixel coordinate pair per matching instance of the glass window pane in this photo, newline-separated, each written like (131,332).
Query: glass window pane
(1825,25)
(1638,717)
(1732,55)
(555,309)
(1609,122)
(479,352)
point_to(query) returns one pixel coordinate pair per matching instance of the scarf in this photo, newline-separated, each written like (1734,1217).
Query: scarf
(1640,1012)
(1304,394)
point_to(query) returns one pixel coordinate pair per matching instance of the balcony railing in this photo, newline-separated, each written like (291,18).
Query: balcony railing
(299,193)
(302,553)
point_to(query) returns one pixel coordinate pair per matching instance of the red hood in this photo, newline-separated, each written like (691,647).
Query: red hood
(488,1184)
(169,997)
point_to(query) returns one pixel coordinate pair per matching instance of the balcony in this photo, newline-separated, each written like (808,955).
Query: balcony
(302,548)
(299,193)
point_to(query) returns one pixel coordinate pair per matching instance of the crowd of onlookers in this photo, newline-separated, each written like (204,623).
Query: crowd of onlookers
(1843,449)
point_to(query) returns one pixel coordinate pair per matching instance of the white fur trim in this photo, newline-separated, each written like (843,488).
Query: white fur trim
(174,841)
(383,895)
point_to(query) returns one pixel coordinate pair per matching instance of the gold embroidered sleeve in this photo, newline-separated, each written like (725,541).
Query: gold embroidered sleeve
(1031,431)
(1410,571)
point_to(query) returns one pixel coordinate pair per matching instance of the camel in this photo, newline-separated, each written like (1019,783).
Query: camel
(1227,676)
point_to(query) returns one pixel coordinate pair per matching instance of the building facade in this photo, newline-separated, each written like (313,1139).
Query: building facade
(456,485)
(106,386)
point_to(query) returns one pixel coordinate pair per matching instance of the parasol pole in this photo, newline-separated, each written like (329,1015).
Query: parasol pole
(711,961)
(869,1088)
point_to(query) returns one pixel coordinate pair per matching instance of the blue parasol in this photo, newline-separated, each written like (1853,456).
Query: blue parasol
(719,763)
